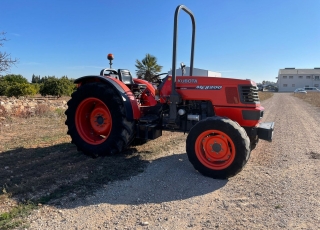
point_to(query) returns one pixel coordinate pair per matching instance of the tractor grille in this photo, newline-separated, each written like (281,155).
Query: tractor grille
(249,94)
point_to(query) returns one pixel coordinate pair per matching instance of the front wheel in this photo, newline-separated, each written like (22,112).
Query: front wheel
(218,147)
(253,142)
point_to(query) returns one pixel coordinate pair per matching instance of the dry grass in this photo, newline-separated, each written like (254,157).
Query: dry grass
(39,165)
(265,95)
(42,109)
(312,97)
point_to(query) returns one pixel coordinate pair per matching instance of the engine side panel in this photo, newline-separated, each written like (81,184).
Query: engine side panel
(220,91)
(233,98)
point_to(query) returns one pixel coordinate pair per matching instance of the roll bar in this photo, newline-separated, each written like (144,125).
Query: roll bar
(175,37)
(174,97)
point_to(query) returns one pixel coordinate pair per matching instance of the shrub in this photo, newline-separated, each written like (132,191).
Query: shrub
(20,89)
(57,87)
(36,87)
(60,112)
(3,87)
(42,109)
(14,85)
(15,78)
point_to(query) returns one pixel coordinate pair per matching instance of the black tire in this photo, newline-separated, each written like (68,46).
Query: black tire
(254,142)
(119,135)
(222,161)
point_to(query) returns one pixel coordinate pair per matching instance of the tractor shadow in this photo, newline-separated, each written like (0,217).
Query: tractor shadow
(58,175)
(171,178)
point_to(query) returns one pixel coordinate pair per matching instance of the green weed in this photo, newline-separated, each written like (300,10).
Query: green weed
(14,218)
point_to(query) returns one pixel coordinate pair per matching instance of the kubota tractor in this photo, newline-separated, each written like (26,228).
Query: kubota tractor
(221,115)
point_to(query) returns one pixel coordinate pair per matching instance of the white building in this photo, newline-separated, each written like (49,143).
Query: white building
(196,72)
(290,79)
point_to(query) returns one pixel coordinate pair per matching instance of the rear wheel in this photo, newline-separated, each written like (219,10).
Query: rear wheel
(96,120)
(218,147)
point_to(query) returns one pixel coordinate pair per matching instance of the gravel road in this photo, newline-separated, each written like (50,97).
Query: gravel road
(278,188)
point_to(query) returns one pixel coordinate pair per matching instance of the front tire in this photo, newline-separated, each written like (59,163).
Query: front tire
(96,120)
(253,142)
(218,147)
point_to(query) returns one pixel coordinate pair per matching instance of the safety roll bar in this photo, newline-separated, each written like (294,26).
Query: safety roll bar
(174,97)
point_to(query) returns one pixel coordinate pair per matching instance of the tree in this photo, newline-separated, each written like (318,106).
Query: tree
(15,78)
(5,58)
(14,85)
(67,87)
(20,89)
(3,86)
(147,68)
(35,79)
(56,87)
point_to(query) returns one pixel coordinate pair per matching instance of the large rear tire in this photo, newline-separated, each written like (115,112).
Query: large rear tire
(218,147)
(96,120)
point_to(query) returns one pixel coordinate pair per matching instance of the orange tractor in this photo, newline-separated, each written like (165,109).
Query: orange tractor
(221,115)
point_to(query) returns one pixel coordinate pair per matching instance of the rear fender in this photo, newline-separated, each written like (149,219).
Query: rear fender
(129,101)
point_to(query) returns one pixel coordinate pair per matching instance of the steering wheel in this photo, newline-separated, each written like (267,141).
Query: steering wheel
(106,72)
(159,80)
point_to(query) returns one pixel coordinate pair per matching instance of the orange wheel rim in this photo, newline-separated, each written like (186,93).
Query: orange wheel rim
(93,121)
(215,149)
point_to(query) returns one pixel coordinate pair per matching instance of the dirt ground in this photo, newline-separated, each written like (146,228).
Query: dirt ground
(277,189)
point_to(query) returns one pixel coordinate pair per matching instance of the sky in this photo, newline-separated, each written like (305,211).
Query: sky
(244,39)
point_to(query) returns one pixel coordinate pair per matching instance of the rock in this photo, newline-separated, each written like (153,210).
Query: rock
(144,223)
(32,104)
(7,107)
(13,106)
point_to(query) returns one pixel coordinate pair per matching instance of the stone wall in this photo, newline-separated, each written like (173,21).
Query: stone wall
(11,106)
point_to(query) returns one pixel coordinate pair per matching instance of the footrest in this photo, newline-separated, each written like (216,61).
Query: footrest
(148,131)
(150,118)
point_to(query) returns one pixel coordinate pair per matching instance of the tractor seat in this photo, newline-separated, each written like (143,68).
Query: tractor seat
(125,76)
